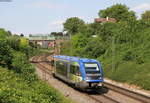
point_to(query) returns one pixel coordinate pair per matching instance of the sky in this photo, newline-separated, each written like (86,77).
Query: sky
(46,16)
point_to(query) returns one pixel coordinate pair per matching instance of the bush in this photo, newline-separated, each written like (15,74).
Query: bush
(15,90)
(5,54)
(20,84)
(3,34)
(21,65)
(19,61)
(13,42)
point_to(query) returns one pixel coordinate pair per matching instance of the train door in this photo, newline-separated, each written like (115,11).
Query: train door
(75,75)
(61,68)
(68,71)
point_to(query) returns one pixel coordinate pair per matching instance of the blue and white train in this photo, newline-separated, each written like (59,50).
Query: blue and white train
(81,72)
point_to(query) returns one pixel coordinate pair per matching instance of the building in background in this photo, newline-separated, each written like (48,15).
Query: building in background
(105,20)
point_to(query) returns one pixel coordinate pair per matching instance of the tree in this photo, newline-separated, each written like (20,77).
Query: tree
(73,25)
(95,47)
(53,33)
(5,54)
(56,34)
(78,43)
(146,16)
(3,34)
(21,35)
(13,42)
(59,34)
(24,43)
(119,12)
(9,33)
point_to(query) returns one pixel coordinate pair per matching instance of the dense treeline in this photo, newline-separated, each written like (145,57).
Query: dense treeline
(18,81)
(122,47)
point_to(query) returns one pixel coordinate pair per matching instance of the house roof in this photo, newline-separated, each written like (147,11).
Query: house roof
(104,20)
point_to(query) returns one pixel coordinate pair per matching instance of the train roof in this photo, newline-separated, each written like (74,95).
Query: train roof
(76,59)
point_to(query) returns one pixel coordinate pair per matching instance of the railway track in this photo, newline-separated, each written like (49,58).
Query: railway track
(102,98)
(115,95)
(129,93)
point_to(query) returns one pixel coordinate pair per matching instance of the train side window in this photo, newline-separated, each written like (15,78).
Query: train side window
(74,69)
(61,67)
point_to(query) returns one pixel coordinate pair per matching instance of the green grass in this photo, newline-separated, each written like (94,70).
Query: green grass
(129,72)
(35,52)
(13,89)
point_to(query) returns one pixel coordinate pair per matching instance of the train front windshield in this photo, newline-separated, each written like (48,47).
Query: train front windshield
(91,68)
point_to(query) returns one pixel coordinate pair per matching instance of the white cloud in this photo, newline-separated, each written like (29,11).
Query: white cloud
(58,22)
(144,6)
(86,19)
(139,9)
(47,5)
(56,26)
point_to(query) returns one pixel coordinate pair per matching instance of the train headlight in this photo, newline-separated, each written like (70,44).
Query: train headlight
(100,84)
(87,78)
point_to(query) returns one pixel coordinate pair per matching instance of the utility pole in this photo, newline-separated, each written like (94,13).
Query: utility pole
(113,54)
(55,46)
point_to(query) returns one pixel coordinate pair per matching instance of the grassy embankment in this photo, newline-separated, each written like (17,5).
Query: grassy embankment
(18,81)
(130,62)
(14,89)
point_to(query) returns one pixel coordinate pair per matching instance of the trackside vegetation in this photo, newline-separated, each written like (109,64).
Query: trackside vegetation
(18,81)
(13,89)
(123,47)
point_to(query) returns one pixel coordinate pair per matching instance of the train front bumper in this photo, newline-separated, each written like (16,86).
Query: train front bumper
(86,84)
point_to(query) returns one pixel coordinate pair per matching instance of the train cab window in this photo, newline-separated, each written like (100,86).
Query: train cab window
(91,68)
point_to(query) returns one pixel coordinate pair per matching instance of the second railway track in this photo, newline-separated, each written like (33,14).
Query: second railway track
(115,94)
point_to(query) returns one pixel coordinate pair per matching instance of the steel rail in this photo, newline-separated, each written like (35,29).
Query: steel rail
(127,92)
(102,98)
(134,95)
(46,70)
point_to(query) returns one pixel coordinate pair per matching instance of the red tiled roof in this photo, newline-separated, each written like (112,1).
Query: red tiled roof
(103,20)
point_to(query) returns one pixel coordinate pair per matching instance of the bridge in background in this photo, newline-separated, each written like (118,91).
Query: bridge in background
(46,40)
